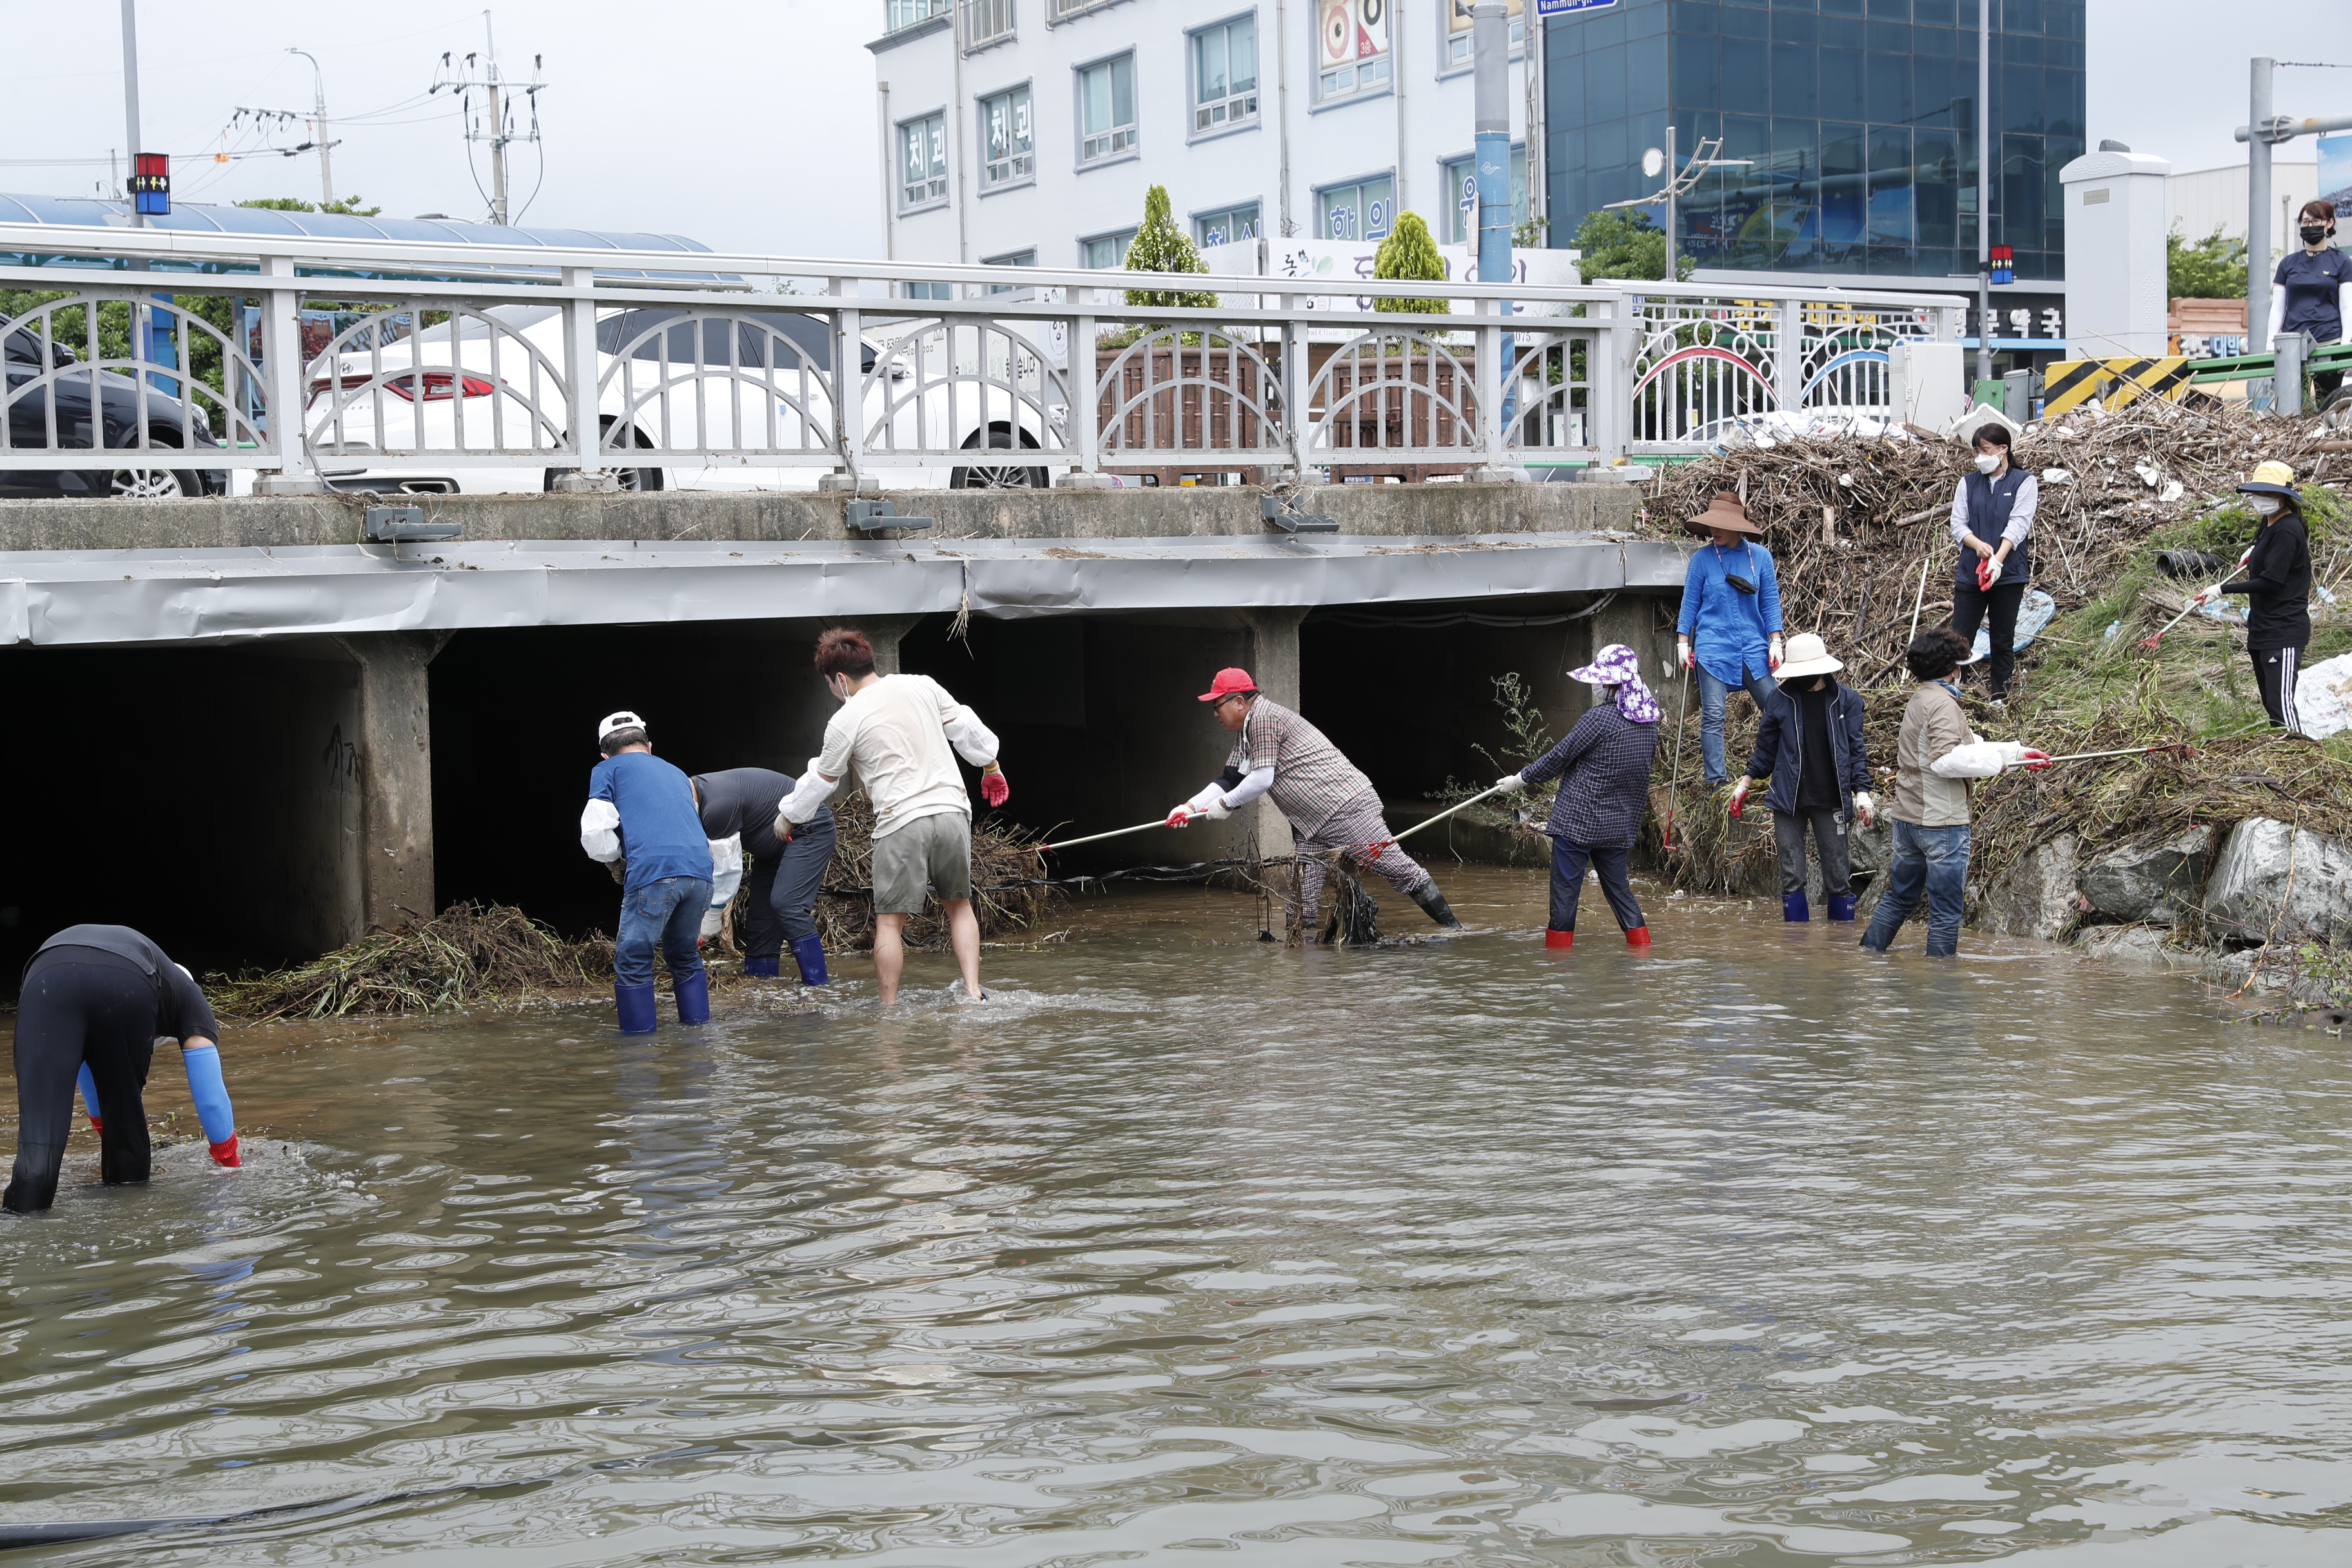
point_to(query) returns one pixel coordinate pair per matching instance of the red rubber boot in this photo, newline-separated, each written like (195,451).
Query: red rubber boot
(1638,937)
(1560,939)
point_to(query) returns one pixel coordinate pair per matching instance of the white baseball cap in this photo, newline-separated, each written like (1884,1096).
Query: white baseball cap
(624,720)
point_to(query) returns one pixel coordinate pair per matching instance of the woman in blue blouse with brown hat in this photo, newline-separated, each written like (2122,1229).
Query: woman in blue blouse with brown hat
(1729,628)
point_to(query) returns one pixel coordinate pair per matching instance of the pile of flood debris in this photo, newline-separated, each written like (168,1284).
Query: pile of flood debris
(1860,533)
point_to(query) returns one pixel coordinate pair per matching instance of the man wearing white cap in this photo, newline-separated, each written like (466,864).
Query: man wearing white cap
(641,811)
(1810,745)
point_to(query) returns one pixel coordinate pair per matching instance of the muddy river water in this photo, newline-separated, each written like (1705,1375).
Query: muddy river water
(1740,1251)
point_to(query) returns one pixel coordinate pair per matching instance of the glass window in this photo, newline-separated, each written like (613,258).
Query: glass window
(1227,227)
(1225,74)
(1459,49)
(927,290)
(1461,185)
(1107,110)
(907,13)
(1360,211)
(1843,186)
(1107,249)
(1017,258)
(1890,185)
(1352,53)
(1008,150)
(923,160)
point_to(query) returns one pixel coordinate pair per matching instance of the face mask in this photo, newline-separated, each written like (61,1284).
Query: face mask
(2267,505)
(2313,234)
(1987,462)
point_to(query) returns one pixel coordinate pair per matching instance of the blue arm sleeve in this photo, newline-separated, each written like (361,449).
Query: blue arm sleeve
(211,1095)
(1770,590)
(89,1094)
(1687,622)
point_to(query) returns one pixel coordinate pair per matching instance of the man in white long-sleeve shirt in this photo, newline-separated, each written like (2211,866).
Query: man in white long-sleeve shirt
(1936,755)
(894,733)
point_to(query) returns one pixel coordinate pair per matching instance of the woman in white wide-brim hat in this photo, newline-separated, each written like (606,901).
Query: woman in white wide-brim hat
(1810,745)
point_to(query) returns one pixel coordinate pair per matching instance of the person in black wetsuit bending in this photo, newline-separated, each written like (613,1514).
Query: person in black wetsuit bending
(99,996)
(785,874)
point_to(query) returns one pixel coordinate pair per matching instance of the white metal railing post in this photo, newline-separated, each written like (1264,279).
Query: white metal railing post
(285,376)
(1086,392)
(582,388)
(1608,397)
(1296,416)
(1789,356)
(848,388)
(1491,374)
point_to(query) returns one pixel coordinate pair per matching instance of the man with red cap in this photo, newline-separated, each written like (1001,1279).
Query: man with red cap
(1330,802)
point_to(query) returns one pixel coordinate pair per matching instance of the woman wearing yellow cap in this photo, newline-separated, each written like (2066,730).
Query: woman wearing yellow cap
(2277,580)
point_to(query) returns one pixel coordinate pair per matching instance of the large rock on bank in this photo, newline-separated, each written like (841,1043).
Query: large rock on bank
(2157,883)
(2036,896)
(2274,877)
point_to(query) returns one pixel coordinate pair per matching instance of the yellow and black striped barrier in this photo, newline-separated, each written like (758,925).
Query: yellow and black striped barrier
(2070,384)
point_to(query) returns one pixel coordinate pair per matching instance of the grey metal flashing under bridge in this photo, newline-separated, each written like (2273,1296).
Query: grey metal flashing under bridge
(64,598)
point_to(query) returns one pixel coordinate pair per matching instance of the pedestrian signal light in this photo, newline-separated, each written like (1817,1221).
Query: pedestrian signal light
(2004,264)
(150,184)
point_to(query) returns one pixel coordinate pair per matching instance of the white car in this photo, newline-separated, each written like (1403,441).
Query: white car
(726,391)
(1771,429)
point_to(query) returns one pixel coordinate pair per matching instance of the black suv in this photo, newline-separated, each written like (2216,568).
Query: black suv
(117,397)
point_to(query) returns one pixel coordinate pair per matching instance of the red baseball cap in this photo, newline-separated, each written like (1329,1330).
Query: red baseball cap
(1228,682)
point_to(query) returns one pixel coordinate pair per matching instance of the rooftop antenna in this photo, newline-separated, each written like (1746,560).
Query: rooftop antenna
(480,73)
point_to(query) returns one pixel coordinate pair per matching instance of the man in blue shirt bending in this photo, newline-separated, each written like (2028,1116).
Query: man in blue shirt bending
(641,813)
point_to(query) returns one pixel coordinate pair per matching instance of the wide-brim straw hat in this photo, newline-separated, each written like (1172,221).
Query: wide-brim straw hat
(1806,655)
(2272,480)
(1725,512)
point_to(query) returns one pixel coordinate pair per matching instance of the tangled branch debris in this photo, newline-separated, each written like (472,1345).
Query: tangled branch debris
(2116,489)
(845,911)
(467,956)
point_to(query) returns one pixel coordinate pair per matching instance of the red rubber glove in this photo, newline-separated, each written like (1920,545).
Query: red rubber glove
(95,1125)
(224,1151)
(1181,817)
(994,789)
(1739,799)
(2034,761)
(1988,574)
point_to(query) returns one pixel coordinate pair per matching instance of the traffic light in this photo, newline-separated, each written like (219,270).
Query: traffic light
(150,184)
(2004,265)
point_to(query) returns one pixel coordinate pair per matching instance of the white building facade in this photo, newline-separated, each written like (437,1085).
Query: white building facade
(1027,132)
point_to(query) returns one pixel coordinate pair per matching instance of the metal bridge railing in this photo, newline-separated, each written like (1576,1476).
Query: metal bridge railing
(383,365)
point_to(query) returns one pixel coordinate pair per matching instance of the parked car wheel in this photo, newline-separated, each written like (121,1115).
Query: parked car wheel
(155,484)
(628,478)
(999,479)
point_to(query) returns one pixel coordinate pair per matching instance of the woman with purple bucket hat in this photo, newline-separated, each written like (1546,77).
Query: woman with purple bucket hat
(1604,767)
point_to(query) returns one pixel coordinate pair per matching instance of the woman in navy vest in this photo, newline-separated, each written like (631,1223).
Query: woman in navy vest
(1992,514)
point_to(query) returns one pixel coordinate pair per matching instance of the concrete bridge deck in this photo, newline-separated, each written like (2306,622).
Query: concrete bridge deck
(324,735)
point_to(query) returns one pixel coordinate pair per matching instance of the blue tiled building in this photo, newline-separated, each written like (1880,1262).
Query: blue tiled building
(1859,118)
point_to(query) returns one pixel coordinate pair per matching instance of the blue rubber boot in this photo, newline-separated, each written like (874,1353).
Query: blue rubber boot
(1842,909)
(636,1007)
(808,952)
(767,968)
(1794,908)
(693,997)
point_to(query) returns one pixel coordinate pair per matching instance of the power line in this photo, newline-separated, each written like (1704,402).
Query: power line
(465,83)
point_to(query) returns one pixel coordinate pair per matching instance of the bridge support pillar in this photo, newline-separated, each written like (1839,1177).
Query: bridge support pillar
(395,775)
(1274,663)
(885,633)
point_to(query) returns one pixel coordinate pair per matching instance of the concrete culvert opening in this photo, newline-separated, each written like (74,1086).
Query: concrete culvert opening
(223,819)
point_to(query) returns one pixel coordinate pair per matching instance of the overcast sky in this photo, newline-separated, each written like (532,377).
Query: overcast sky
(750,127)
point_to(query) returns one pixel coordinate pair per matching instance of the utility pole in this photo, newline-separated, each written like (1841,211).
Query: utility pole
(1984,191)
(2258,207)
(319,129)
(498,91)
(131,90)
(1490,45)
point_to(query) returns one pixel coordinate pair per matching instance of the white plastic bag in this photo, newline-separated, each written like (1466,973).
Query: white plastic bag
(726,869)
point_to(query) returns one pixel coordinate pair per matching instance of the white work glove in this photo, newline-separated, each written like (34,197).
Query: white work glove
(2209,594)
(1514,783)
(1210,803)
(1772,654)
(1682,653)
(1864,807)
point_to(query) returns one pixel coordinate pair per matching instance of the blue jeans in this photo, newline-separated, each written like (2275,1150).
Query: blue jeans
(1711,696)
(1933,860)
(669,912)
(1568,867)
